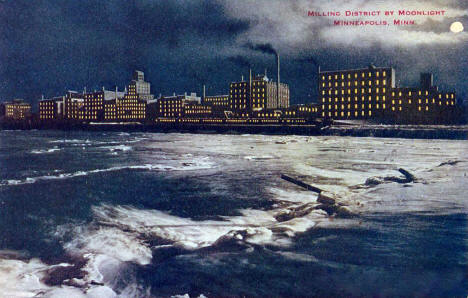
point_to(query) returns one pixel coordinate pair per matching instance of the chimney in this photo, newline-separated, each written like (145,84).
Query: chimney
(84,90)
(318,82)
(103,88)
(250,87)
(204,94)
(242,78)
(278,85)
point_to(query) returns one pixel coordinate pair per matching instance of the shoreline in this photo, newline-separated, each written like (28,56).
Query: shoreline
(453,132)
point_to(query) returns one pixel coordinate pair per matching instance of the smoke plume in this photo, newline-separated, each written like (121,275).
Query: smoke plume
(263,48)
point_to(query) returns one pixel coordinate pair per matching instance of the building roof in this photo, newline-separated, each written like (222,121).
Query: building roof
(224,95)
(18,102)
(109,95)
(370,67)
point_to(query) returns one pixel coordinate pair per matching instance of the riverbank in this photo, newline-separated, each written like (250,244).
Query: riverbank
(454,132)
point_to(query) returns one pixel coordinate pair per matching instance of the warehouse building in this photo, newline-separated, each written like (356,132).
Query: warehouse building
(370,93)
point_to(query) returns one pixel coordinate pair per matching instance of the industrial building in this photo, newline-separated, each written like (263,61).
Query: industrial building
(109,105)
(425,104)
(131,104)
(355,93)
(16,109)
(197,110)
(174,106)
(370,93)
(259,93)
(216,101)
(52,109)
(138,88)
(74,105)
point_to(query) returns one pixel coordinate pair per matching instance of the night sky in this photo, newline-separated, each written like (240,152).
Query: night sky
(48,47)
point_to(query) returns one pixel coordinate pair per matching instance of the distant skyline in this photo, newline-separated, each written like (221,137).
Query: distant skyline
(50,46)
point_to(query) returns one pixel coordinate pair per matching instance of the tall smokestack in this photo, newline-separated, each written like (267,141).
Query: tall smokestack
(318,84)
(204,94)
(250,88)
(278,85)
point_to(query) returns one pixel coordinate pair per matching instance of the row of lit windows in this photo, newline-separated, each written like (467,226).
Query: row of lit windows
(232,120)
(238,84)
(220,103)
(349,75)
(348,114)
(356,91)
(363,98)
(290,113)
(17,107)
(211,99)
(363,107)
(363,83)
(349,106)
(427,101)
(238,106)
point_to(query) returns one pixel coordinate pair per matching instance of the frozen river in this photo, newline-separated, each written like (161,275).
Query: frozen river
(104,214)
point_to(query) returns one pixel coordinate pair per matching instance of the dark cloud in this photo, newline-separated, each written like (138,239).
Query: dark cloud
(265,48)
(49,46)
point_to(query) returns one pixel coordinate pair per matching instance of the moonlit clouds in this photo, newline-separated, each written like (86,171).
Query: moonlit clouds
(287,25)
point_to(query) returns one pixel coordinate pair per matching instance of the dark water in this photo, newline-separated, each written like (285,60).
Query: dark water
(151,207)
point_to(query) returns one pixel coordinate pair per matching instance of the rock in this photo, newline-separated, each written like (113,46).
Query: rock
(330,209)
(449,163)
(326,198)
(300,211)
(374,181)
(344,211)
(284,216)
(379,180)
